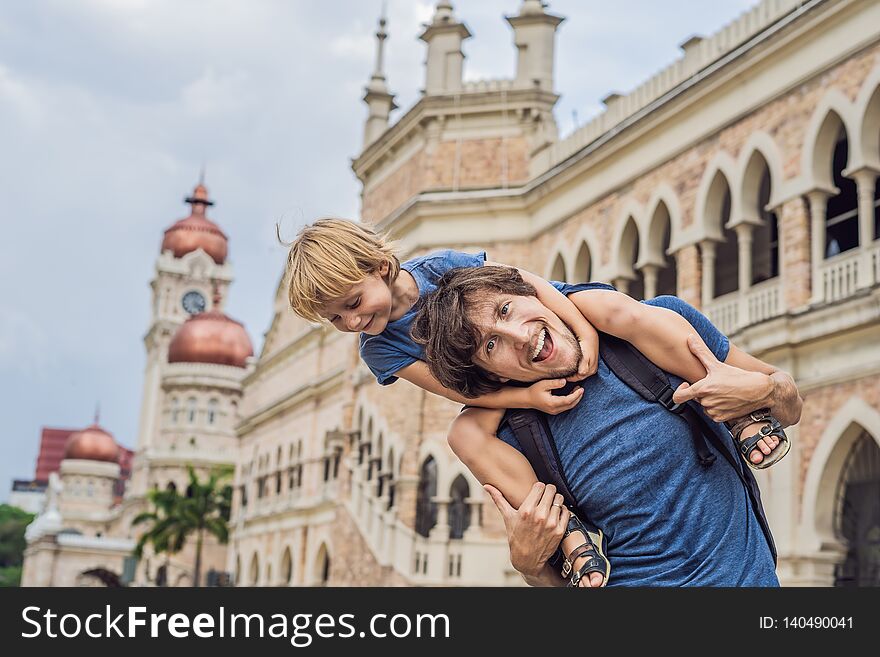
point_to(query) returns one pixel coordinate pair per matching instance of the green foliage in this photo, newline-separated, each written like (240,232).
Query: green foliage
(175,517)
(12,544)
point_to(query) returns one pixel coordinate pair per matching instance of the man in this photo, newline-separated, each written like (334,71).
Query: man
(630,463)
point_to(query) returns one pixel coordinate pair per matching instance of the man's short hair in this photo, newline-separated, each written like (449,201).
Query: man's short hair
(451,338)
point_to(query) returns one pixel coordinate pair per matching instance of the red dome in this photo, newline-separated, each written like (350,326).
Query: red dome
(197,231)
(92,444)
(211,337)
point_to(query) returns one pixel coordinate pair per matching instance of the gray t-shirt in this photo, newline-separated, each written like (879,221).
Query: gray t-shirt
(632,467)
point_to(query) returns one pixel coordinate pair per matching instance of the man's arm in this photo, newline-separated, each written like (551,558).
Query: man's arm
(740,385)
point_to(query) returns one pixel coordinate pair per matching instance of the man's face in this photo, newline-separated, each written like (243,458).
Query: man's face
(523,340)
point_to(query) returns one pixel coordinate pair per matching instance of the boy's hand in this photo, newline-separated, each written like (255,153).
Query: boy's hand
(540,397)
(589,362)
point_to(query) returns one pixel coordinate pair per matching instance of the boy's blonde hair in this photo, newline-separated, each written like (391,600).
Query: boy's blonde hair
(330,256)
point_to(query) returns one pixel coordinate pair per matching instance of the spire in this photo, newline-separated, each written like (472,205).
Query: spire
(378,99)
(97,413)
(534,35)
(381,35)
(445,61)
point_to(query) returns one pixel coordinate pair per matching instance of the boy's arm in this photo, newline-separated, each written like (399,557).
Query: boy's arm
(538,395)
(659,333)
(563,307)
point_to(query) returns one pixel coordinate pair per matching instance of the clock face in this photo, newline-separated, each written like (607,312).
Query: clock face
(193,302)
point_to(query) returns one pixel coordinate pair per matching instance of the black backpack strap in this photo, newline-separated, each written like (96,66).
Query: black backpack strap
(640,374)
(652,383)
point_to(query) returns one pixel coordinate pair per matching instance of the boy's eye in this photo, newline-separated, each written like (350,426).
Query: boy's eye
(355,303)
(504,309)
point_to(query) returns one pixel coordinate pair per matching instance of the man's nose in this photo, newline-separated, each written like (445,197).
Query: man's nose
(519,336)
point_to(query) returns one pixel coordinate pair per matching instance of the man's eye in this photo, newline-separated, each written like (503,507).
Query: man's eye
(490,345)
(504,309)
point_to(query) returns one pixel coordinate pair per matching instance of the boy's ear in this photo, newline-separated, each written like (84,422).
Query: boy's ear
(384,268)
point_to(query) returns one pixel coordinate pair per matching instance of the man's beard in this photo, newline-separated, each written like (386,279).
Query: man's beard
(565,372)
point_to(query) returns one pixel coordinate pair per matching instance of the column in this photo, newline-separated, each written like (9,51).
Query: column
(707,251)
(818,203)
(865,180)
(744,246)
(622,284)
(794,252)
(649,272)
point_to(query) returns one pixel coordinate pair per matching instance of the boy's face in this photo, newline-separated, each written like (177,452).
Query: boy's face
(364,308)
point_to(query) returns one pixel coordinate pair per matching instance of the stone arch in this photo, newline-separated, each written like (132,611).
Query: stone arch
(758,187)
(254,570)
(584,271)
(557,270)
(826,468)
(664,195)
(583,264)
(834,111)
(709,197)
(321,569)
(868,111)
(655,252)
(459,514)
(285,568)
(426,507)
(762,145)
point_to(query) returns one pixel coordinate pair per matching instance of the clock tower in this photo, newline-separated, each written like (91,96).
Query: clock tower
(191,277)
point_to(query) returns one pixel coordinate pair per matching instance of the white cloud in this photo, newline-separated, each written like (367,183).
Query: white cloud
(212,93)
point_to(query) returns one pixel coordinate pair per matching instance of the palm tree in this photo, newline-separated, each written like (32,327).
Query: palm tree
(175,517)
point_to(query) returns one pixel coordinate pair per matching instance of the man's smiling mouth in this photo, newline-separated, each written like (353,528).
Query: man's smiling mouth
(543,346)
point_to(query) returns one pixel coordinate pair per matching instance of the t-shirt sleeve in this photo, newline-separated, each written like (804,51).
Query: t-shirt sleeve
(445,260)
(384,359)
(505,433)
(714,339)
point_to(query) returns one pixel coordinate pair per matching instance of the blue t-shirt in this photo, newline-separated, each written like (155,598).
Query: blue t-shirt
(632,467)
(393,349)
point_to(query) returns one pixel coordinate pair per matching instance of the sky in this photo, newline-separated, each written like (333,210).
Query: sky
(109,109)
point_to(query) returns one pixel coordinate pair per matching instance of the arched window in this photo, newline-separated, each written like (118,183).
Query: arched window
(322,566)
(459,510)
(286,567)
(659,237)
(629,253)
(727,252)
(191,410)
(175,410)
(842,213)
(213,405)
(171,486)
(583,265)
(858,515)
(380,479)
(765,236)
(391,483)
(426,507)
(255,570)
(557,273)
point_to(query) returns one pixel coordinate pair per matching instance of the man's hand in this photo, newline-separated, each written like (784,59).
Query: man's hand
(535,530)
(726,392)
(540,397)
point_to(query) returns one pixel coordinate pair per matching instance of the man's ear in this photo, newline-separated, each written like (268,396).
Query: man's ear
(495,377)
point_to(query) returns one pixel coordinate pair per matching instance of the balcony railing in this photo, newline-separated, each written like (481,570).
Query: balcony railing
(723,312)
(763,300)
(839,275)
(736,310)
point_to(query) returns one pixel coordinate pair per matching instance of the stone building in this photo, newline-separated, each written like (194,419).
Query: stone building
(742,177)
(196,359)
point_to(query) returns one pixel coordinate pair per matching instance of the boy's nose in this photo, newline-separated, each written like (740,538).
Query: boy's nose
(353,322)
